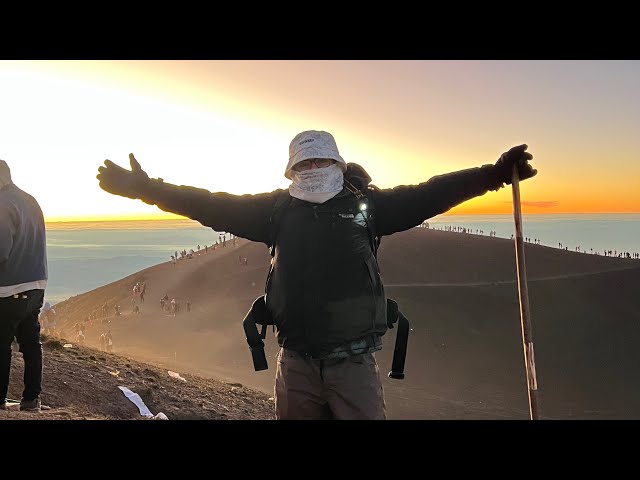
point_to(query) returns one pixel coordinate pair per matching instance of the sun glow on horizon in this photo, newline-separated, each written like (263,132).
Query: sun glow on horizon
(160,215)
(226,125)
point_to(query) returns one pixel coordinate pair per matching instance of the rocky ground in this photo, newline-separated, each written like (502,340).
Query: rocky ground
(81,383)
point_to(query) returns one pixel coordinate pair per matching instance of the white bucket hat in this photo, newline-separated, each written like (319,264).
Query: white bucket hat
(313,144)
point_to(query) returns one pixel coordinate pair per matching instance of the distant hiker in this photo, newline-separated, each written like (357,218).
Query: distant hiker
(103,342)
(109,341)
(117,310)
(143,290)
(23,280)
(47,319)
(324,291)
(164,302)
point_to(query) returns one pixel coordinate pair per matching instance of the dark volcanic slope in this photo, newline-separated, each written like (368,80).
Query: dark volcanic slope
(459,291)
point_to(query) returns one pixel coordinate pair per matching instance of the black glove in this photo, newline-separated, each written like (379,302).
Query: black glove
(119,181)
(515,155)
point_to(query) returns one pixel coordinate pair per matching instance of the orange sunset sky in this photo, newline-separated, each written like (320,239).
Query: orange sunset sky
(226,126)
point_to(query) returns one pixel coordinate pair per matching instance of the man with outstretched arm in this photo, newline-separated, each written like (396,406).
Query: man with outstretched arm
(324,291)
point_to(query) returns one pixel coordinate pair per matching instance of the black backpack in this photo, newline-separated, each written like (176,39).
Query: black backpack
(357,181)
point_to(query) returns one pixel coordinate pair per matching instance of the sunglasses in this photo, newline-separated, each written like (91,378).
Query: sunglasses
(318,162)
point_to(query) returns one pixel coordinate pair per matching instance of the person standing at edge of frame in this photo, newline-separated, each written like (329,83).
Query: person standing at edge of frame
(23,279)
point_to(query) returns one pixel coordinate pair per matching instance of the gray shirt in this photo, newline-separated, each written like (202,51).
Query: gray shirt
(23,245)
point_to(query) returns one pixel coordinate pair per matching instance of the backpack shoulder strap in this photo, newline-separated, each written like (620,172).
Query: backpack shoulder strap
(367,207)
(281,204)
(371,221)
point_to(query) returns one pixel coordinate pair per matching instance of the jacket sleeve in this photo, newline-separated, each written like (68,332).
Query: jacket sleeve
(245,216)
(7,231)
(407,206)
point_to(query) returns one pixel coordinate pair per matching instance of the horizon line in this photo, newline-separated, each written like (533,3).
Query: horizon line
(186,219)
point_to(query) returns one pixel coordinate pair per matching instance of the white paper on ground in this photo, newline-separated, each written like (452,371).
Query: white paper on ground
(144,410)
(135,398)
(176,375)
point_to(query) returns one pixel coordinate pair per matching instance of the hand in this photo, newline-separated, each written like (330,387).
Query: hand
(515,155)
(119,181)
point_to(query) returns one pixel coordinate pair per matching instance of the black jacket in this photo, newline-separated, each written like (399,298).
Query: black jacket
(324,288)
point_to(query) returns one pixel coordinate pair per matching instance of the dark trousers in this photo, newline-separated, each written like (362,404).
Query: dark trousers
(19,320)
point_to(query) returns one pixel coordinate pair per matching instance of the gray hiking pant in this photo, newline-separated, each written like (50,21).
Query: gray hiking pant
(338,389)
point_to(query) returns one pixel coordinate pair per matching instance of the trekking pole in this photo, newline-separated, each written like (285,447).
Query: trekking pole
(523,293)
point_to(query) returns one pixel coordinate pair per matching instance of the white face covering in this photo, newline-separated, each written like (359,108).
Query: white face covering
(318,184)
